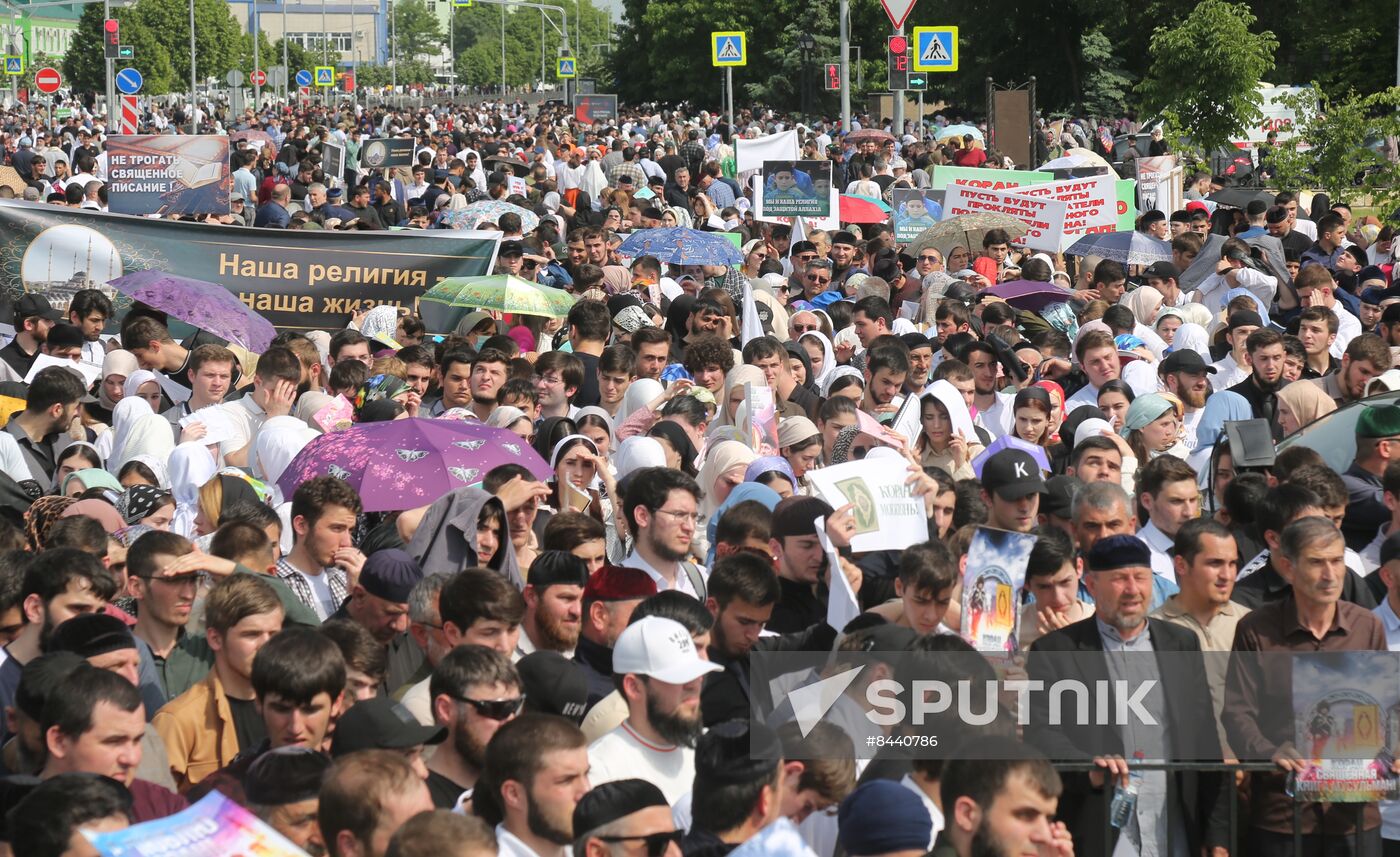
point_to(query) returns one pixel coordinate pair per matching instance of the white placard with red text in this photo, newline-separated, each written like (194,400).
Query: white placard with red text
(1044,218)
(1091,204)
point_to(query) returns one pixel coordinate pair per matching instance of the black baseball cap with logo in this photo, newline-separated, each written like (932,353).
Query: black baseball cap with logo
(31,306)
(1012,474)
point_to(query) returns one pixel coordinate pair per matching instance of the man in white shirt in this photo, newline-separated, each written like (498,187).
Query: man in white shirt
(661,673)
(1185,375)
(537,771)
(274,392)
(662,510)
(1169,493)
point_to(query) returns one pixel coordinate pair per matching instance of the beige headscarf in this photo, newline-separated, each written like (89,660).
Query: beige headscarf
(740,375)
(1307,401)
(1145,302)
(719,460)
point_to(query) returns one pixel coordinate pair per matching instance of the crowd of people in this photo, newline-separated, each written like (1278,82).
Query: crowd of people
(542,667)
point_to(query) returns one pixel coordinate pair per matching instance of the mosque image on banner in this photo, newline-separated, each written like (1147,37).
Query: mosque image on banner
(66,259)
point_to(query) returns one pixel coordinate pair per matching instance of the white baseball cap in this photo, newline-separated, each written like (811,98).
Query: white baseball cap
(661,649)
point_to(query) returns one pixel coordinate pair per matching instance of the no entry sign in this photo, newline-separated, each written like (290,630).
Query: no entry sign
(48,80)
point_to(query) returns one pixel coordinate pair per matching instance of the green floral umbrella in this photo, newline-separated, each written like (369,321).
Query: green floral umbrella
(501,292)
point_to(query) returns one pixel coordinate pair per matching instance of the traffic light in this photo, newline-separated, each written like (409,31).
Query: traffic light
(898,57)
(111,38)
(833,75)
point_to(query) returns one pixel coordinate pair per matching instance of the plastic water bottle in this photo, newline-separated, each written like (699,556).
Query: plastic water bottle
(1125,797)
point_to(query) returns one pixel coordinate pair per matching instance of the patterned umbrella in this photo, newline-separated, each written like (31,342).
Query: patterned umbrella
(959,131)
(491,211)
(681,246)
(500,292)
(1129,248)
(1076,159)
(965,230)
(863,209)
(869,135)
(207,306)
(404,464)
(1029,295)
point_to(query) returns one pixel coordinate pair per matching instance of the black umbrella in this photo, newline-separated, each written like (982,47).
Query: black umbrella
(1239,197)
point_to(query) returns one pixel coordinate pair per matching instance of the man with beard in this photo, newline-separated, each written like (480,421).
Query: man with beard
(553,604)
(536,772)
(33,317)
(1365,357)
(625,811)
(658,671)
(59,583)
(1260,389)
(366,797)
(1119,576)
(283,789)
(662,510)
(1184,374)
(475,691)
(609,598)
(1000,798)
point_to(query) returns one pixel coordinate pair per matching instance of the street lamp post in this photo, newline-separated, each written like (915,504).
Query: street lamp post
(806,44)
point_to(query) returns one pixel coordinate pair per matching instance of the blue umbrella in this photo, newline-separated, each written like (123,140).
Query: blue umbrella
(681,246)
(1128,248)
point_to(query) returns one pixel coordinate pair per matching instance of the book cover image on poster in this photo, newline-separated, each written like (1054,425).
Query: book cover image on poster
(914,211)
(1346,717)
(796,188)
(159,174)
(996,571)
(214,825)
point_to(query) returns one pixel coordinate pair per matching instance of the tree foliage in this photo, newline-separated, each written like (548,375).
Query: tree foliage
(218,40)
(1338,145)
(1205,73)
(84,70)
(417,31)
(1106,86)
(477,32)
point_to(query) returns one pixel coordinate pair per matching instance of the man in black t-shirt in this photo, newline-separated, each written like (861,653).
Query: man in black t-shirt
(474,690)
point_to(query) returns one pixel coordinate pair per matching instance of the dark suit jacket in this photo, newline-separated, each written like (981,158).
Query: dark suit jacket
(1198,800)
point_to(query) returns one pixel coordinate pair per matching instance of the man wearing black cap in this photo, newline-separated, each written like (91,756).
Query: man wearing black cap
(474,691)
(283,789)
(510,258)
(1011,487)
(1278,224)
(801,564)
(625,813)
(553,604)
(33,317)
(379,602)
(1163,277)
(383,724)
(1119,576)
(843,253)
(739,785)
(1186,375)
(1234,367)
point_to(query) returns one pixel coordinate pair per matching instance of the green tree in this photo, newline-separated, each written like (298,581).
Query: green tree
(1334,147)
(1205,73)
(1106,85)
(404,72)
(84,69)
(217,37)
(417,32)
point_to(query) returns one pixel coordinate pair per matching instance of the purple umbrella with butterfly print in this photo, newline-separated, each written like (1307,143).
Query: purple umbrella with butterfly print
(404,464)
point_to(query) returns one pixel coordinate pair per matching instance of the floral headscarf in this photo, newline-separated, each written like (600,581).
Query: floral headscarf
(376,388)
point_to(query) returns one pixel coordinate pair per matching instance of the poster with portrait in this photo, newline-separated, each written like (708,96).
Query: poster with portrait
(914,210)
(996,571)
(1346,715)
(796,188)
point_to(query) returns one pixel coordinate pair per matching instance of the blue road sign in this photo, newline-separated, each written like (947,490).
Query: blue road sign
(303,78)
(129,81)
(728,48)
(567,69)
(14,65)
(935,49)
(325,75)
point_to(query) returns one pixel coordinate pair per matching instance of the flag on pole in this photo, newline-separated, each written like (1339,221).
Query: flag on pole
(750,326)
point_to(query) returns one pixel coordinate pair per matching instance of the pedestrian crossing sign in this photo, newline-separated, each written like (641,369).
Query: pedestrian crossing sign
(567,68)
(14,65)
(461,2)
(935,49)
(728,49)
(325,75)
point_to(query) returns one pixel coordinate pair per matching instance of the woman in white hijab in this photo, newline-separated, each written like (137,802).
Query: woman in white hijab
(151,435)
(636,453)
(733,394)
(143,383)
(124,416)
(1191,336)
(595,181)
(191,465)
(824,365)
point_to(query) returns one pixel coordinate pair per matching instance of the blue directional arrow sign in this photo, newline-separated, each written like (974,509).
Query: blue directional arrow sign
(129,81)
(303,78)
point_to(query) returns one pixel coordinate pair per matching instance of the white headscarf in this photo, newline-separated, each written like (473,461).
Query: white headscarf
(150,435)
(383,319)
(136,379)
(1192,336)
(636,453)
(156,466)
(124,417)
(595,181)
(279,441)
(828,358)
(642,392)
(191,465)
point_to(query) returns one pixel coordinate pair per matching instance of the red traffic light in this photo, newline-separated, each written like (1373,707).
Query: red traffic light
(110,25)
(898,44)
